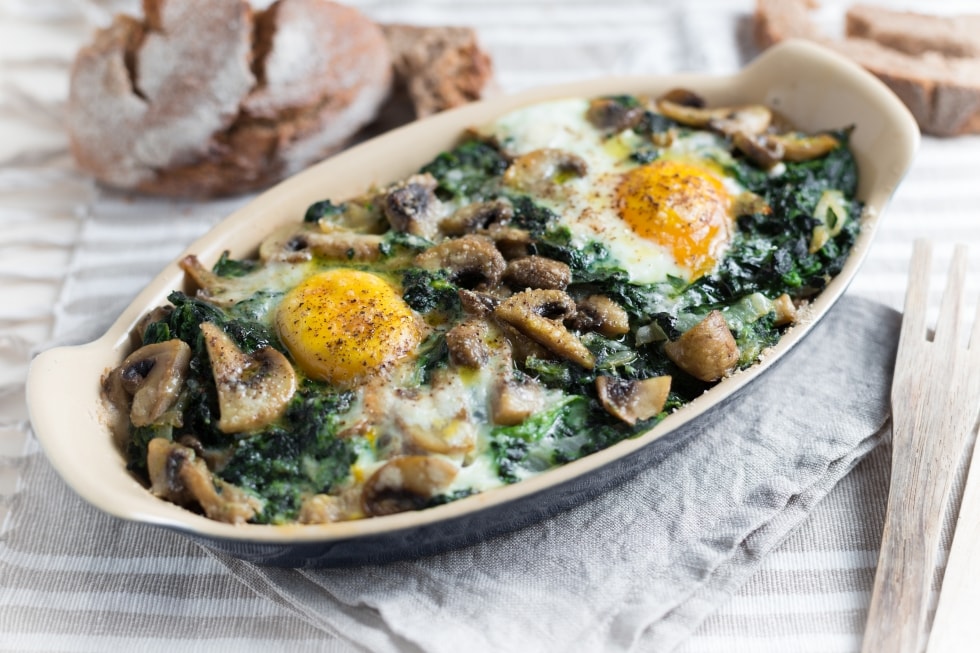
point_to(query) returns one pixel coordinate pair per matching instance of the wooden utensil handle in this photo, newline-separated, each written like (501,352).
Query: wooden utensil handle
(903,578)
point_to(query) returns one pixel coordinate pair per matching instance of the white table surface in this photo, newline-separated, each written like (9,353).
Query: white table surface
(810,594)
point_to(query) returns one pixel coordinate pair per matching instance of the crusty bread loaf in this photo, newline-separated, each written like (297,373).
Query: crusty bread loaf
(914,54)
(205,99)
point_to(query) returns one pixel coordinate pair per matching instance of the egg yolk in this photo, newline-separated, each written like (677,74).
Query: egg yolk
(681,206)
(342,326)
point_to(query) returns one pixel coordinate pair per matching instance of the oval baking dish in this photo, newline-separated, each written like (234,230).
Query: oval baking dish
(812,88)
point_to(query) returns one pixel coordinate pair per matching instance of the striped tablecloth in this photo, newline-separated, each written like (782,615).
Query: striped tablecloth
(59,233)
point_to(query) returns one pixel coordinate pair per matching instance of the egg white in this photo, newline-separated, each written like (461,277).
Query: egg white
(588,204)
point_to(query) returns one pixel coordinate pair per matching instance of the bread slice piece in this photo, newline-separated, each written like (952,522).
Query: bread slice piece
(916,33)
(942,91)
(439,67)
(205,99)
(778,20)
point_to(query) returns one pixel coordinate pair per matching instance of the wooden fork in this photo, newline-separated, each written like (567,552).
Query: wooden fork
(935,397)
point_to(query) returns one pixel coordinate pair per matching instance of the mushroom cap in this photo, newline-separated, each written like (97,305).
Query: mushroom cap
(253,389)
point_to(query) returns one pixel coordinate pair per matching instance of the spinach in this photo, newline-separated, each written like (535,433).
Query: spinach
(469,171)
(531,216)
(575,427)
(430,290)
(299,457)
(397,242)
(323,209)
(200,396)
(229,267)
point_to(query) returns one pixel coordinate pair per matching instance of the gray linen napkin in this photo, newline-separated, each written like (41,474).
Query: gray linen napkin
(641,566)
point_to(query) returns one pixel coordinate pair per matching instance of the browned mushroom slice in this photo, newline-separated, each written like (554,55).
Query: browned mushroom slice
(457,436)
(153,376)
(750,119)
(406,483)
(512,401)
(476,216)
(158,314)
(607,113)
(472,261)
(253,389)
(762,151)
(785,310)
(539,315)
(633,400)
(412,207)
(599,313)
(298,243)
(684,97)
(467,343)
(798,147)
(542,171)
(178,475)
(328,508)
(512,242)
(210,286)
(478,304)
(537,272)
(707,351)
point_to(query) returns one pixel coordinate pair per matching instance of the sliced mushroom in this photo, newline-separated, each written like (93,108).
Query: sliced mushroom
(298,243)
(412,207)
(406,483)
(511,242)
(467,343)
(607,113)
(210,286)
(477,304)
(457,436)
(253,389)
(601,314)
(706,351)
(785,310)
(633,400)
(522,346)
(472,261)
(684,97)
(798,147)
(762,151)
(542,171)
(360,214)
(539,315)
(328,508)
(513,401)
(477,216)
(178,475)
(537,272)
(153,376)
(750,119)
(158,314)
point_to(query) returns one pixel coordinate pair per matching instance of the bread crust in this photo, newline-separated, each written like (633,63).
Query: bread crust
(184,103)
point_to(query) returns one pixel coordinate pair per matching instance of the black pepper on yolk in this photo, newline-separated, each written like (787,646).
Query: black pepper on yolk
(343,326)
(681,206)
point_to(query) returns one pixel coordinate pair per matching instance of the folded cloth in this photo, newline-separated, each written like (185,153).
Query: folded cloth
(646,562)
(635,569)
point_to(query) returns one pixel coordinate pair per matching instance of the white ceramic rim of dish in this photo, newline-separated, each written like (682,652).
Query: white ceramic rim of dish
(814,87)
